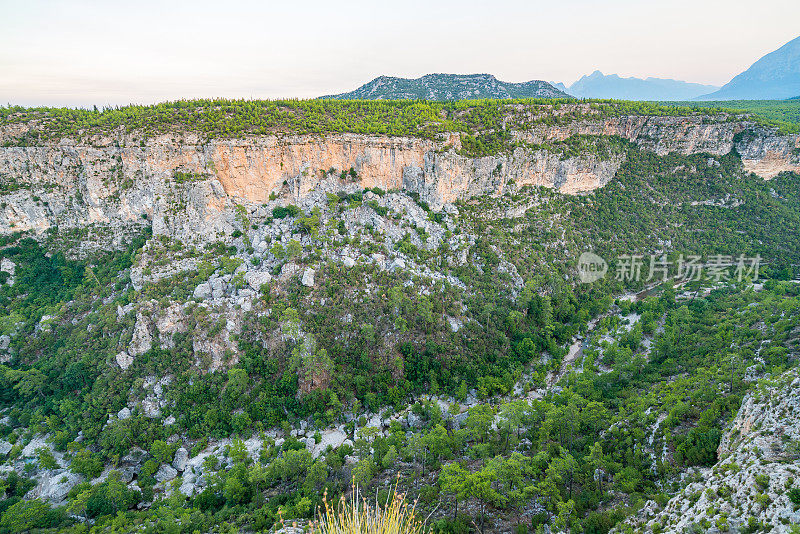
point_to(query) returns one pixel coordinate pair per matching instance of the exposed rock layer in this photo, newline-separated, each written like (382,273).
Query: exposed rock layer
(121,182)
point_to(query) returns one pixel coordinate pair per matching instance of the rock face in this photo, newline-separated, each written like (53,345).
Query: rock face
(333,438)
(142,339)
(54,485)
(9,267)
(759,458)
(124,183)
(124,360)
(768,155)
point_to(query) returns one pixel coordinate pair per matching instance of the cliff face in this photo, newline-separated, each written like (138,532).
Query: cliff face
(118,182)
(758,460)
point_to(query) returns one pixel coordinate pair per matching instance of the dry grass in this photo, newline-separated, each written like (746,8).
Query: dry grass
(359,516)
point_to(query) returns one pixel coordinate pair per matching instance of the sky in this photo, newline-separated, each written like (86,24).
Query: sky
(113,52)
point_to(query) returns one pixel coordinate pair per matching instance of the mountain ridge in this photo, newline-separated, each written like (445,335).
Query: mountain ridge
(775,76)
(442,86)
(599,85)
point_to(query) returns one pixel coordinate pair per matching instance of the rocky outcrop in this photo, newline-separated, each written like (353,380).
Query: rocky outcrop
(748,489)
(188,186)
(768,154)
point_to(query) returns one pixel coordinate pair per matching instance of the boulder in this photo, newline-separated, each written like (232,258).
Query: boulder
(256,279)
(348,262)
(124,360)
(459,420)
(124,413)
(413,420)
(126,472)
(375,421)
(181,459)
(288,271)
(158,388)
(151,408)
(455,324)
(135,457)
(5,342)
(217,284)
(166,473)
(398,264)
(308,278)
(203,291)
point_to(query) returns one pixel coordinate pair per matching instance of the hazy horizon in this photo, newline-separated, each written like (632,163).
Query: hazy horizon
(88,52)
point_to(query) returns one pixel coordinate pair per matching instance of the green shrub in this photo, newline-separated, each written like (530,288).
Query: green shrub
(281,212)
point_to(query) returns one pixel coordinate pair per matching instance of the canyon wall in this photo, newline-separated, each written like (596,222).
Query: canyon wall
(188,186)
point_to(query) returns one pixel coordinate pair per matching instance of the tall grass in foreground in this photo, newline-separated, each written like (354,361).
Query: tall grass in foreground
(359,516)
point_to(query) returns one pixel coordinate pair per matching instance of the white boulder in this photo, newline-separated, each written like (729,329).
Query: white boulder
(256,279)
(308,278)
(181,459)
(124,360)
(202,291)
(165,473)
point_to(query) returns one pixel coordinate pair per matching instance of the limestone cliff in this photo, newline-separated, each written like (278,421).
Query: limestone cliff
(187,184)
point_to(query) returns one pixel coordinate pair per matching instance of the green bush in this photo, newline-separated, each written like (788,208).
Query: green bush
(27,515)
(281,212)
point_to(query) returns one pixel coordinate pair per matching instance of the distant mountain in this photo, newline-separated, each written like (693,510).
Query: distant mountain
(599,85)
(449,87)
(773,77)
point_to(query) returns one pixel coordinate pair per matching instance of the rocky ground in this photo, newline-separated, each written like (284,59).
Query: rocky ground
(748,489)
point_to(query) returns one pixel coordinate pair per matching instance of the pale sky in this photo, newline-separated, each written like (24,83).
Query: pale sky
(85,52)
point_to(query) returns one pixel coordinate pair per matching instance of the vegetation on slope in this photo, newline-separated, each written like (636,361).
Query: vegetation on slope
(235,118)
(784,113)
(445,87)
